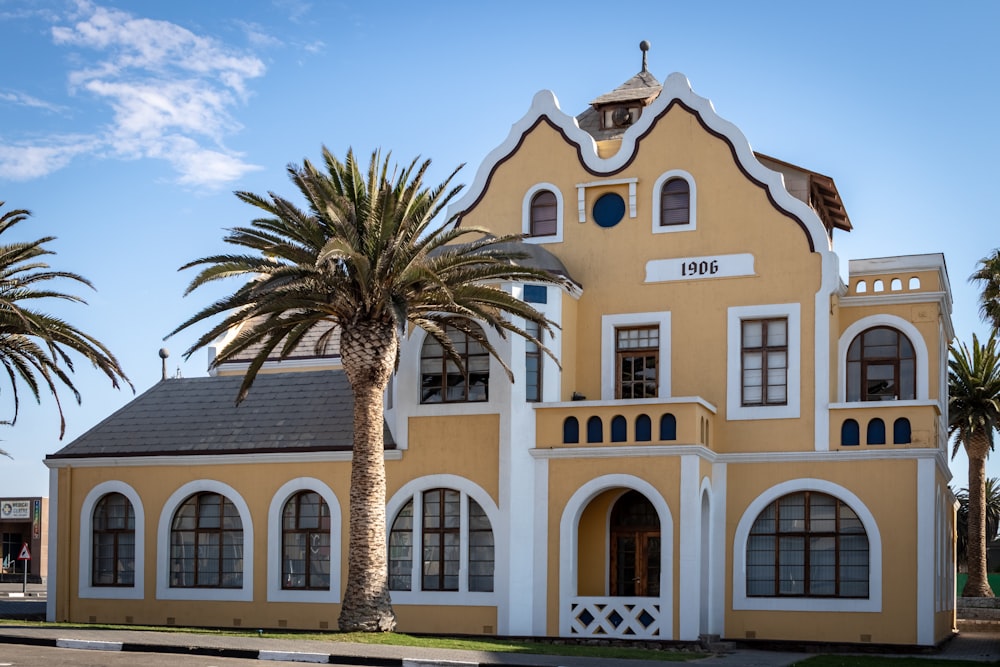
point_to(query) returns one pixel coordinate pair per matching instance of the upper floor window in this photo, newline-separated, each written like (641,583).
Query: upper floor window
(113,542)
(807,544)
(765,361)
(543,214)
(442,380)
(675,202)
(637,360)
(532,363)
(305,542)
(881,366)
(442,537)
(206,543)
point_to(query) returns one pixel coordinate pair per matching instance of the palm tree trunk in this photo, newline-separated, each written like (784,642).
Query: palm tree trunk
(977,585)
(368,352)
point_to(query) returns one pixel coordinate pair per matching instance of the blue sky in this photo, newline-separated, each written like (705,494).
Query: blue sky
(126,126)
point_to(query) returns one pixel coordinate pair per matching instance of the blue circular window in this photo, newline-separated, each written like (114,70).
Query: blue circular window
(609,209)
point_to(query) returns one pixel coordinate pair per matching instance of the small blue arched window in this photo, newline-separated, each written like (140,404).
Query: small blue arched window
(876,432)
(643,428)
(571,430)
(901,431)
(850,433)
(668,427)
(595,430)
(619,429)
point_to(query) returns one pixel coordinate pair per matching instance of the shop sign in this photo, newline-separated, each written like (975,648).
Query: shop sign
(15,509)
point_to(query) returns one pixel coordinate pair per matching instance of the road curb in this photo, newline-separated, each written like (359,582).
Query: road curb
(89,644)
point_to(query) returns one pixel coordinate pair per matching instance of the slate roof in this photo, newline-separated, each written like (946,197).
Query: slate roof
(284,412)
(643,87)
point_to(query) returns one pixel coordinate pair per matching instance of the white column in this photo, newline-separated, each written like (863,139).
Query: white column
(689,598)
(926,553)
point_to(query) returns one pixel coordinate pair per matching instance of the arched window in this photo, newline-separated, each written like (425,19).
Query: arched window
(544,209)
(807,544)
(206,543)
(595,430)
(619,429)
(901,431)
(876,432)
(571,431)
(442,380)
(643,428)
(881,366)
(441,537)
(850,433)
(675,202)
(305,542)
(113,542)
(668,427)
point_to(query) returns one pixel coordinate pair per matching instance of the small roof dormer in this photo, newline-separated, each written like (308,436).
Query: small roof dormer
(611,114)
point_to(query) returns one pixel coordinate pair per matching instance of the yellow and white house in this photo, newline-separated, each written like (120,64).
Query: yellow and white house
(737,443)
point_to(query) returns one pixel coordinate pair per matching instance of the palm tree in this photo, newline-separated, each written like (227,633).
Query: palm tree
(973,415)
(988,275)
(992,509)
(37,349)
(363,257)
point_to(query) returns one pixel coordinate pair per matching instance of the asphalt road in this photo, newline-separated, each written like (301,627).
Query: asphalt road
(22,608)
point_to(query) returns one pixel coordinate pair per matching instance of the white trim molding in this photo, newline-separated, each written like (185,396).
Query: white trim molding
(855,329)
(413,490)
(275,593)
(569,546)
(692,222)
(526,214)
(86,589)
(609,324)
(735,410)
(743,602)
(163,589)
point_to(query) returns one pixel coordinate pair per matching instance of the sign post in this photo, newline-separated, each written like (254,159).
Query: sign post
(25,556)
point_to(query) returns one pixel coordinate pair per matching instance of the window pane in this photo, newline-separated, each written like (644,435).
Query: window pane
(753,333)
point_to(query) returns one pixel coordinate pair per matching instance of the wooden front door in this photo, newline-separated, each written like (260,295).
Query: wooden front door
(635,547)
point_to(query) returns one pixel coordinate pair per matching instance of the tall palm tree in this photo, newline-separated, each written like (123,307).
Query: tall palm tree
(973,416)
(37,349)
(992,510)
(365,257)
(988,276)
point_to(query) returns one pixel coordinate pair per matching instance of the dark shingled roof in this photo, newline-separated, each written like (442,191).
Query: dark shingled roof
(643,87)
(284,412)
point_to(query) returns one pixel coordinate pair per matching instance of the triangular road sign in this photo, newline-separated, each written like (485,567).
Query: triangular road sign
(25,554)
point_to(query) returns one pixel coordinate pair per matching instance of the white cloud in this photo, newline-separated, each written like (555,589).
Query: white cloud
(25,162)
(24,100)
(170,93)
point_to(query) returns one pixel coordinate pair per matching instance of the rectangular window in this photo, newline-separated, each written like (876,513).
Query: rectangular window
(532,364)
(764,349)
(637,361)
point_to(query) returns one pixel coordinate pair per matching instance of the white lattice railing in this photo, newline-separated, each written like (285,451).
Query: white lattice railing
(624,618)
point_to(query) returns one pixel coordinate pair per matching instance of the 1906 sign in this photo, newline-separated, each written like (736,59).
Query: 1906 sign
(693,268)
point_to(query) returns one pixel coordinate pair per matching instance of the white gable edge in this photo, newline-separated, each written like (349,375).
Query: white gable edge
(677,87)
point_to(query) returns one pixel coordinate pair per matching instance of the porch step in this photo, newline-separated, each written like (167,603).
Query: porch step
(714,644)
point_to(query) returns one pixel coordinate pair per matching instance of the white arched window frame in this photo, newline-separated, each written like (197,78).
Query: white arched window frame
(740,599)
(692,202)
(526,214)
(893,322)
(86,555)
(275,593)
(414,490)
(163,589)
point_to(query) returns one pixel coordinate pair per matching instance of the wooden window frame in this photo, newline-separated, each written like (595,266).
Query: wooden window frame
(666,193)
(542,215)
(857,390)
(764,349)
(317,542)
(201,534)
(100,527)
(651,351)
(467,342)
(806,535)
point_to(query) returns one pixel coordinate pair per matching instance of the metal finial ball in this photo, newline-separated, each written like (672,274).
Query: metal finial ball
(164,353)
(644,45)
